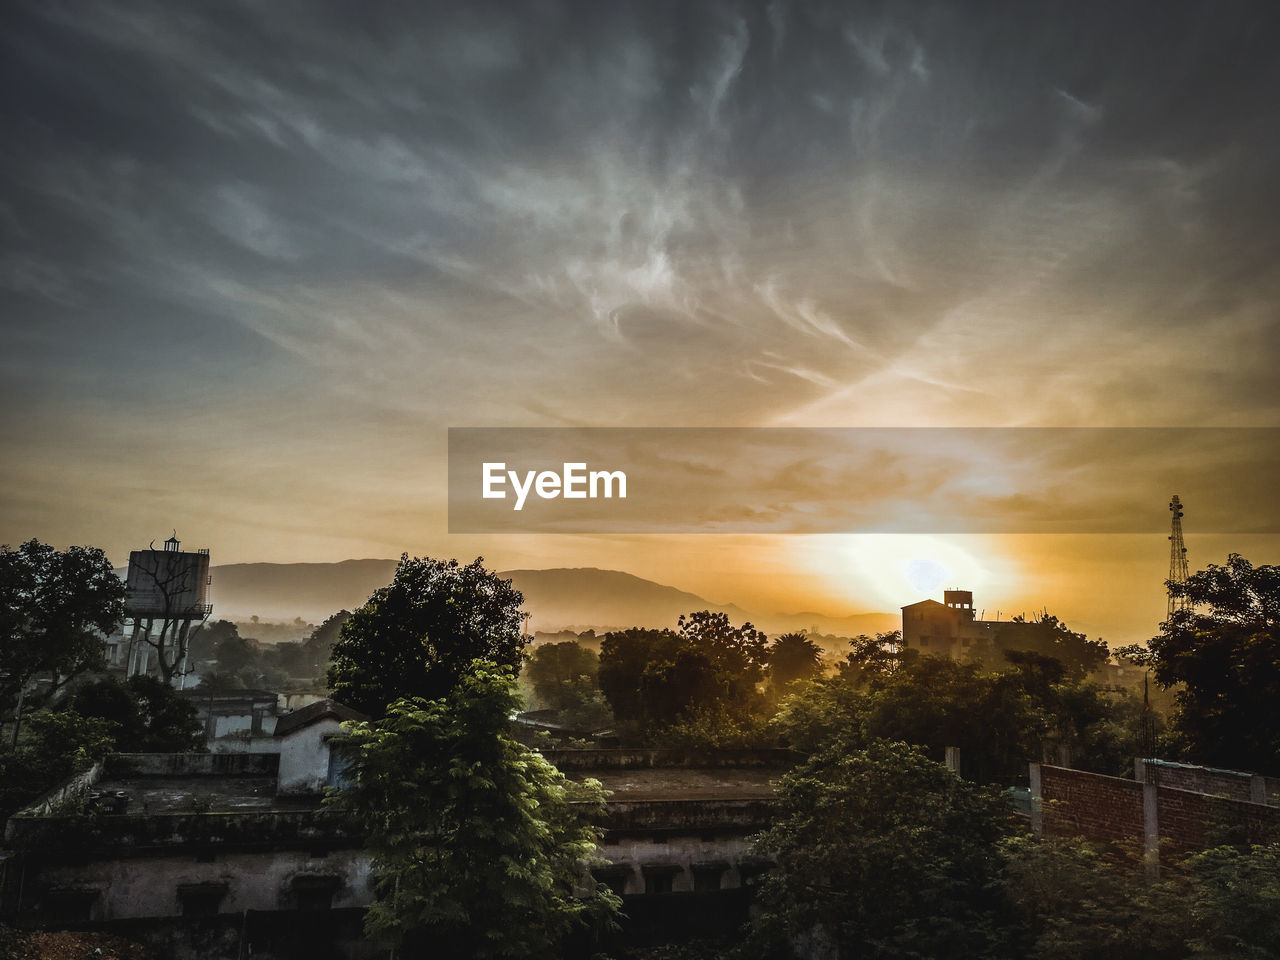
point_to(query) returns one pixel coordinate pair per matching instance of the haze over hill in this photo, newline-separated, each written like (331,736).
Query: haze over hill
(580,598)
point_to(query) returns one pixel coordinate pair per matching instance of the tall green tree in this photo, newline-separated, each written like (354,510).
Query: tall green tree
(883,853)
(1225,653)
(416,636)
(480,847)
(56,607)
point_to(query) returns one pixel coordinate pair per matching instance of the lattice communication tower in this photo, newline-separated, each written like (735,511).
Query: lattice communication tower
(1177,557)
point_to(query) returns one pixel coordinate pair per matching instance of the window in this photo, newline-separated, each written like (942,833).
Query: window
(201,899)
(65,906)
(313,893)
(658,877)
(708,876)
(337,767)
(614,877)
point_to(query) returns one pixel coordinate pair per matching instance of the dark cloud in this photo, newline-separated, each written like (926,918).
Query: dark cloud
(642,213)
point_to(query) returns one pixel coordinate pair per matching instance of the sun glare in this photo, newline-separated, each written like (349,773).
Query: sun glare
(891,570)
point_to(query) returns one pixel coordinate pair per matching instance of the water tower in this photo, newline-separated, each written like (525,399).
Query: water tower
(168,591)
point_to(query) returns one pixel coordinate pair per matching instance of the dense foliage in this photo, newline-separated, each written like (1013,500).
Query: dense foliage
(1000,719)
(416,636)
(145,715)
(883,853)
(478,843)
(55,609)
(656,679)
(1225,654)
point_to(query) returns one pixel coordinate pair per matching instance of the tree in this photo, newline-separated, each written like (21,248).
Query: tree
(738,655)
(205,639)
(793,656)
(478,843)
(1079,899)
(146,714)
(624,655)
(237,654)
(1226,654)
(53,747)
(1048,636)
(654,679)
(555,665)
(874,658)
(883,853)
(319,644)
(415,637)
(55,609)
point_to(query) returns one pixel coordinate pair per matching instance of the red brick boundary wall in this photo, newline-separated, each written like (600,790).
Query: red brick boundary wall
(1160,818)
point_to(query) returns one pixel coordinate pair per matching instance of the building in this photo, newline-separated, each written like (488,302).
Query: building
(216,855)
(948,629)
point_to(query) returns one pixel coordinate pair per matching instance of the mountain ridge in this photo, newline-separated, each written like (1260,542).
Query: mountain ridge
(556,597)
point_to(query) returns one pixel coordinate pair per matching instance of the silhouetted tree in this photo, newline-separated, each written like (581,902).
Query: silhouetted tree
(1226,654)
(1048,636)
(146,715)
(319,644)
(204,640)
(874,658)
(793,656)
(56,608)
(415,637)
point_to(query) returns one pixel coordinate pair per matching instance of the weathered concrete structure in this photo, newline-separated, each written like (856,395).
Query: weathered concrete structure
(151,842)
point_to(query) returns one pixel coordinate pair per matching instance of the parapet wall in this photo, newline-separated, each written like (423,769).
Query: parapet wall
(565,760)
(193,765)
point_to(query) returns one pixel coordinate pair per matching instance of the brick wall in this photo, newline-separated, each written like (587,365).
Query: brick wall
(1225,783)
(1190,821)
(1104,809)
(1090,805)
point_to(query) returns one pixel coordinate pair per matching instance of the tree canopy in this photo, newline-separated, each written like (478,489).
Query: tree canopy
(883,853)
(146,715)
(793,656)
(56,607)
(1000,719)
(708,667)
(1225,652)
(1048,636)
(416,636)
(478,843)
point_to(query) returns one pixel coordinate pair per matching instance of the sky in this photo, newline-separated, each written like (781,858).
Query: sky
(259,257)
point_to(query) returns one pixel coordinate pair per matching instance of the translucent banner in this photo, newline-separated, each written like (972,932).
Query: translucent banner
(861,480)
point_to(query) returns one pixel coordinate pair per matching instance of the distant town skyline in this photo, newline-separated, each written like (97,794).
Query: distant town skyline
(258,259)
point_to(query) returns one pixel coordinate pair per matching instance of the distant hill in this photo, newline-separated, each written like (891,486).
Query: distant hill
(282,591)
(582,597)
(577,597)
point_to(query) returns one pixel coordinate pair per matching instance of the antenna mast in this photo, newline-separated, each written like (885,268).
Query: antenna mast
(1177,557)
